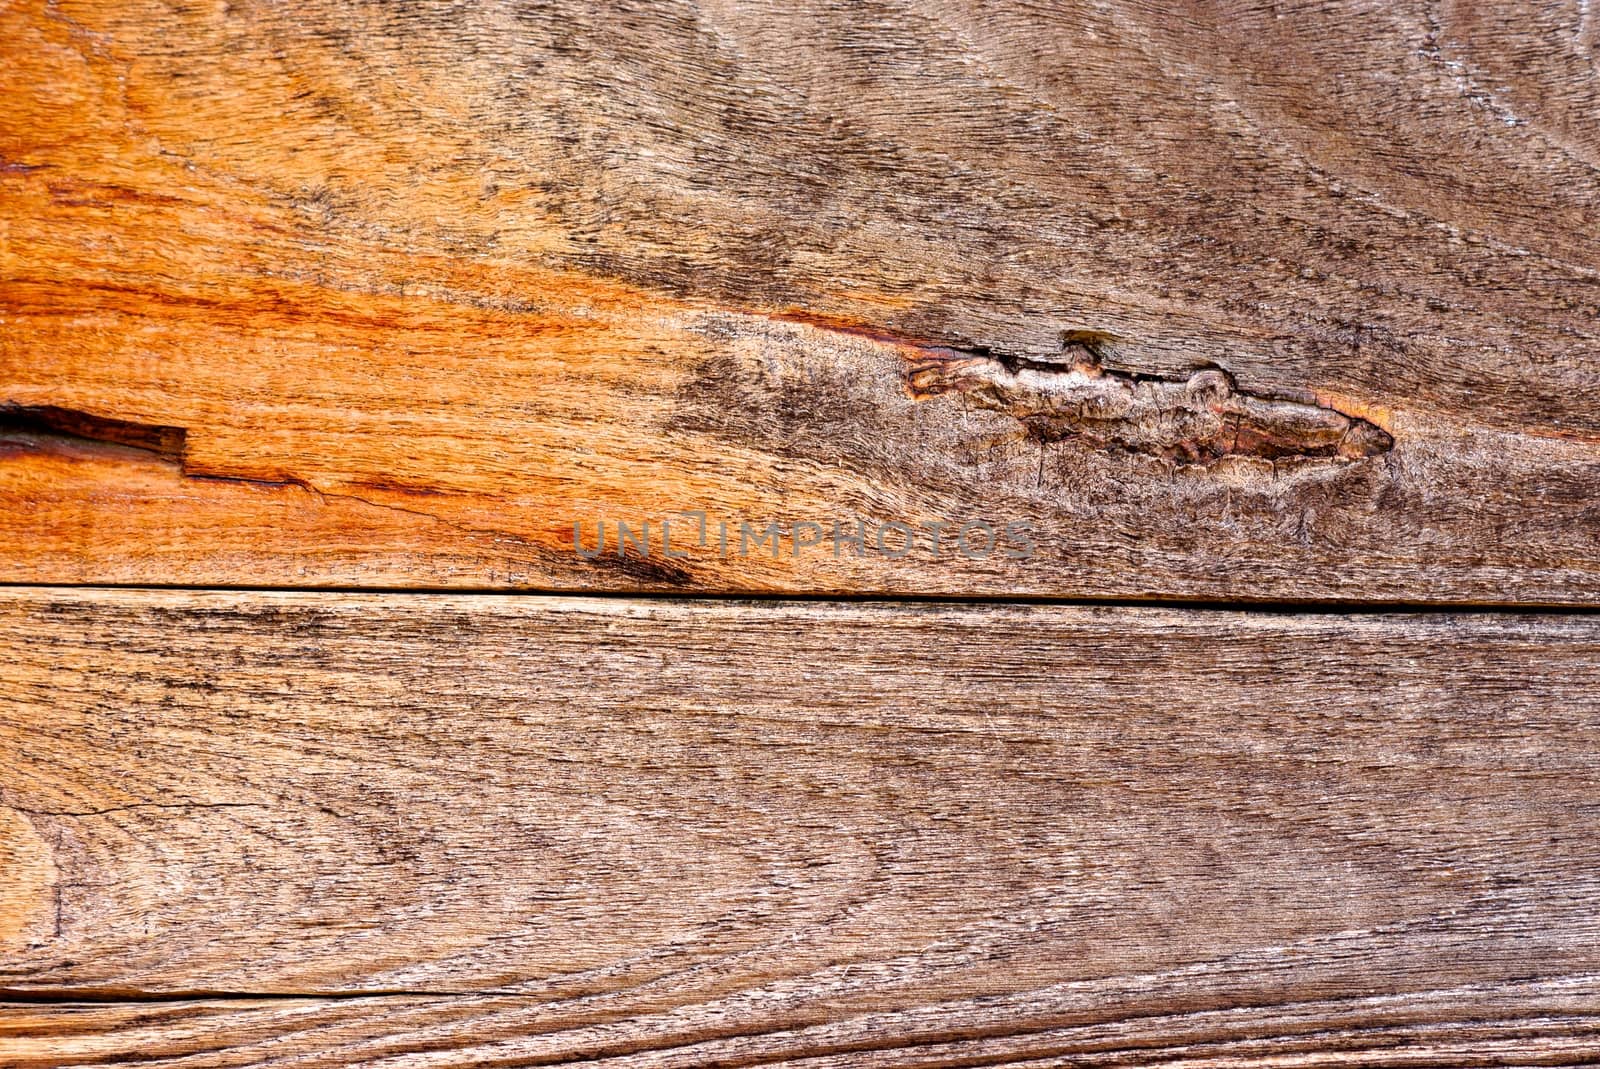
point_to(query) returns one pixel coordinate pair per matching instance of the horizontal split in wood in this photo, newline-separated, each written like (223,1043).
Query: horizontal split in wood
(81,428)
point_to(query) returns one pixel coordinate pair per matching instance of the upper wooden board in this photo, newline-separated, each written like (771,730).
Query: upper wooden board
(1250,301)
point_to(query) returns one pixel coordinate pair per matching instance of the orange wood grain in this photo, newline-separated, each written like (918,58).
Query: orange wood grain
(431,285)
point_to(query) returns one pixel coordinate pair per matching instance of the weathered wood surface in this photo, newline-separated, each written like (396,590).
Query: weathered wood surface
(1513,1024)
(412,288)
(454,829)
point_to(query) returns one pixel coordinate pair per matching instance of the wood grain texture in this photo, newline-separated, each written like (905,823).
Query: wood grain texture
(422,285)
(418,830)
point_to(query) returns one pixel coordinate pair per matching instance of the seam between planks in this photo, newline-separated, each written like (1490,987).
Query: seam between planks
(1263,606)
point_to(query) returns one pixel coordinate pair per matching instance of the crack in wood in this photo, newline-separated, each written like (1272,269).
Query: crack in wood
(82,428)
(132,806)
(85,996)
(34,427)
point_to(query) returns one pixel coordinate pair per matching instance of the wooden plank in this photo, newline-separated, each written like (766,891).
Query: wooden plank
(1550,1023)
(1217,302)
(453,829)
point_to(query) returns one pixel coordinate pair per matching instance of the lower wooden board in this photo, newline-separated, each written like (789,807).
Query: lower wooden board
(424,830)
(1511,1024)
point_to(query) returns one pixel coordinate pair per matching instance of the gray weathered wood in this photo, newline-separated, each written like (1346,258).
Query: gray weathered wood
(690,833)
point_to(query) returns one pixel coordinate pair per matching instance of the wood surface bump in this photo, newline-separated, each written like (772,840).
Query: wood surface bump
(453,829)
